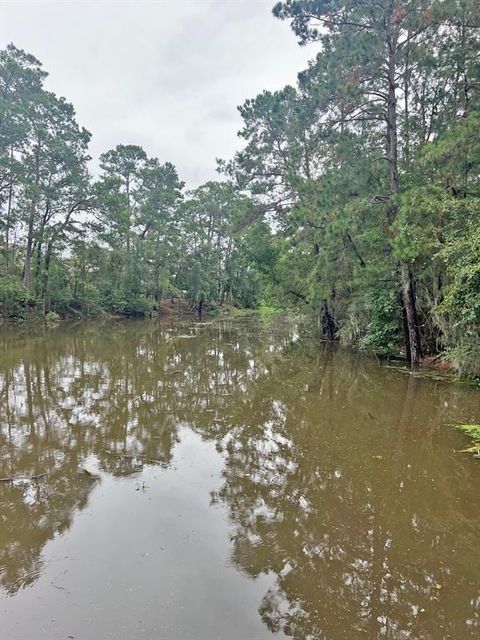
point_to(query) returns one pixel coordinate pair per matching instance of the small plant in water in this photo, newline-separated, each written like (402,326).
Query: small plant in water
(141,487)
(473,431)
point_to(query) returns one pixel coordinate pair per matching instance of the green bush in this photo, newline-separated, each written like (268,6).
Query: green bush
(52,318)
(13,297)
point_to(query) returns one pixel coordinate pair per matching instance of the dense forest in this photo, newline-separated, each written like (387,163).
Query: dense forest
(354,197)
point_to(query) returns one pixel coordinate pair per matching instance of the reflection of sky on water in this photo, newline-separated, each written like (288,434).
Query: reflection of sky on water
(323,491)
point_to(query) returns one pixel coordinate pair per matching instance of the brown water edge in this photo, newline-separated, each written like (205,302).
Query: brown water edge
(242,484)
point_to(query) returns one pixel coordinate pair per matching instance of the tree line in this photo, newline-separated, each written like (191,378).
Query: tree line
(76,245)
(355,194)
(371,167)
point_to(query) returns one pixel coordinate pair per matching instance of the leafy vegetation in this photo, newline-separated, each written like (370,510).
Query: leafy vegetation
(473,431)
(370,168)
(355,194)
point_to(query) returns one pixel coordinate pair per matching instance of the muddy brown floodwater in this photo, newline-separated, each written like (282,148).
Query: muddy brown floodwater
(230,481)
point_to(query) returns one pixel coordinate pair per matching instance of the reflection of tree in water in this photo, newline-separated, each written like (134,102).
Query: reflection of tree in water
(360,545)
(31,514)
(118,394)
(355,520)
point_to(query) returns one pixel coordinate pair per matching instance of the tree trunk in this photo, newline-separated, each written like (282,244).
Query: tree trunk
(408,355)
(413,343)
(9,213)
(28,254)
(46,277)
(27,267)
(329,328)
(37,249)
(413,347)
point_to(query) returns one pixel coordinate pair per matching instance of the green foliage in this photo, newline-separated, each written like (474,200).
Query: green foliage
(370,169)
(13,297)
(355,195)
(473,431)
(52,318)
(378,320)
(266,311)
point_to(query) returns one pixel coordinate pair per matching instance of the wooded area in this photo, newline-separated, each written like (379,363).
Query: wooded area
(355,194)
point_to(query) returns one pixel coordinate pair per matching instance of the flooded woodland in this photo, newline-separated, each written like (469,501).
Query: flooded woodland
(230,480)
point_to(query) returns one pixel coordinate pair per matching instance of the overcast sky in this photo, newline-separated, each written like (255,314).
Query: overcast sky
(167,75)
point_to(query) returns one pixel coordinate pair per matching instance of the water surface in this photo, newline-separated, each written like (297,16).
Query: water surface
(241,483)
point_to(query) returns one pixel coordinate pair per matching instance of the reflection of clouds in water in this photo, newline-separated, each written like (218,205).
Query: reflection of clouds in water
(357,520)
(344,551)
(114,395)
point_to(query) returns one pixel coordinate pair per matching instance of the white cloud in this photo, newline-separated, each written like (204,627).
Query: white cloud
(167,75)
